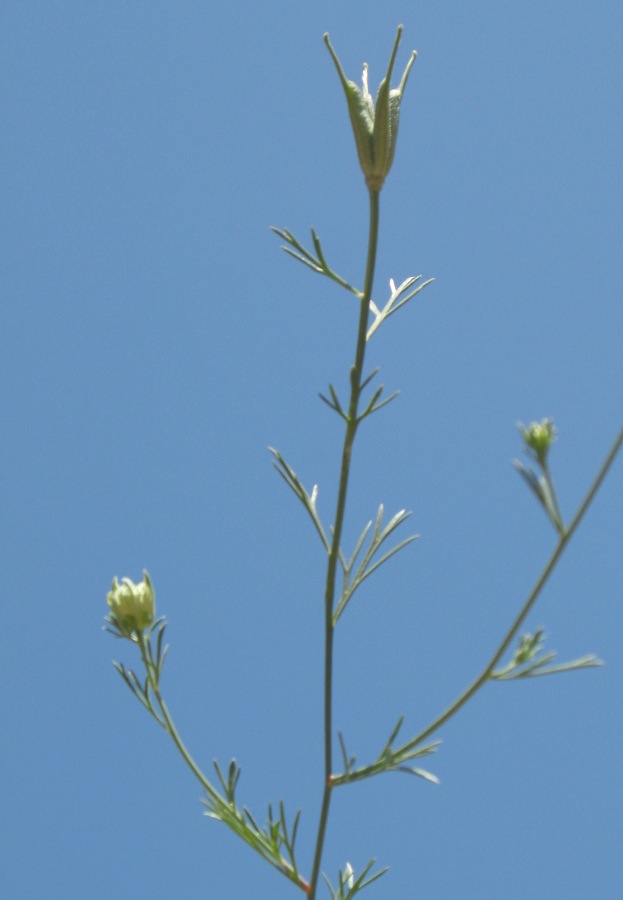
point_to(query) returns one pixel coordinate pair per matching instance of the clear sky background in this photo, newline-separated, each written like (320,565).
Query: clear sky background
(154,342)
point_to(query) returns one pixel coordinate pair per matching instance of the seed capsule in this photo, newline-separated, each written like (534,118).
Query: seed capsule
(375,126)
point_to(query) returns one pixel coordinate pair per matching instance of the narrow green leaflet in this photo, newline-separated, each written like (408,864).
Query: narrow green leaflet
(269,841)
(390,759)
(348,885)
(307,499)
(366,567)
(397,298)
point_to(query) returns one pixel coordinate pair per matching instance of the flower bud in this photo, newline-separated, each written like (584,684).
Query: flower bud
(538,437)
(375,126)
(132,606)
(529,646)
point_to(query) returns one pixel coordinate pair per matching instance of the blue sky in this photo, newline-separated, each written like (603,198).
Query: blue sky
(155,341)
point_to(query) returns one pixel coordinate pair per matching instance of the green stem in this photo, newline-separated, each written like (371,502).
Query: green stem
(558,520)
(171,729)
(153,675)
(349,438)
(564,539)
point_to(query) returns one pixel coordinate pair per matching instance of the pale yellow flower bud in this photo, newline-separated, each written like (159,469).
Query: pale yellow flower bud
(132,606)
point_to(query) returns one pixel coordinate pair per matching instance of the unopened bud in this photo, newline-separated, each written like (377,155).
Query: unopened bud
(538,437)
(132,606)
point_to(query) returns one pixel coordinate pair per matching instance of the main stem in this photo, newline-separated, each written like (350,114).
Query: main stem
(352,422)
